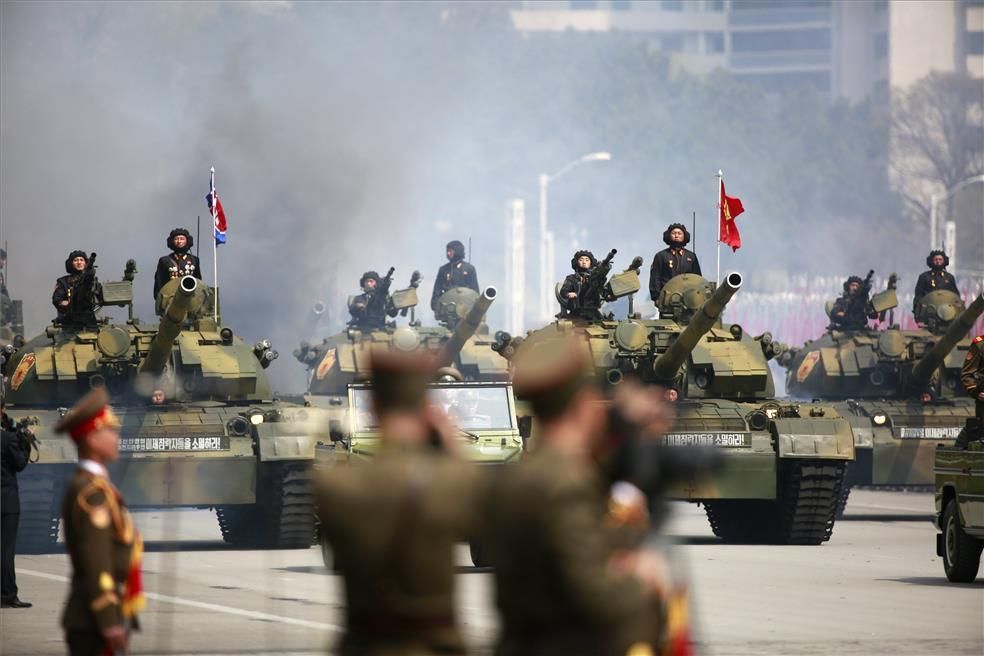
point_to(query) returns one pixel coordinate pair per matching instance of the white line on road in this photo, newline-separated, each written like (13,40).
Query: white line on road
(219,608)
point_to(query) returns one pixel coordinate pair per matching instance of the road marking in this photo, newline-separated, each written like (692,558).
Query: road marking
(218,608)
(900,509)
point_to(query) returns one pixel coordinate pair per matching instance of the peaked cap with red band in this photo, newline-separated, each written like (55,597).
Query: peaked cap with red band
(90,414)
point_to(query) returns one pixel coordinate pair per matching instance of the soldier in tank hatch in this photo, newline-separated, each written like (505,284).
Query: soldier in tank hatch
(936,278)
(369,309)
(179,262)
(77,293)
(672,260)
(581,298)
(456,273)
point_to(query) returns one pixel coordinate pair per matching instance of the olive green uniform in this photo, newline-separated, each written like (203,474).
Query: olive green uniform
(972,373)
(99,538)
(392,525)
(550,553)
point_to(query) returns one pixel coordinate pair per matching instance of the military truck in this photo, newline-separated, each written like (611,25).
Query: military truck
(218,440)
(784,462)
(959,472)
(899,389)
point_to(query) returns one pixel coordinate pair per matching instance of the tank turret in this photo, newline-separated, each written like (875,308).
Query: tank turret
(467,327)
(172,320)
(669,362)
(957,330)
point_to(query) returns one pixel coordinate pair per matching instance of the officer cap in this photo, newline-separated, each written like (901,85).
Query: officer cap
(934,253)
(670,228)
(549,374)
(400,378)
(90,414)
(72,256)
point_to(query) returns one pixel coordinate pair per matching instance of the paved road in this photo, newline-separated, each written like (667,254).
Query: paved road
(876,587)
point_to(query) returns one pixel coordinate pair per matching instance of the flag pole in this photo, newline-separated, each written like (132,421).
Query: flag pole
(215,257)
(720,177)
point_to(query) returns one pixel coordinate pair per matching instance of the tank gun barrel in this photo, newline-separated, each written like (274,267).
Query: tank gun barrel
(467,327)
(666,365)
(924,368)
(170,326)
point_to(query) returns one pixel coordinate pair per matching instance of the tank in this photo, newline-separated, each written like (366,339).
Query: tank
(219,439)
(899,389)
(783,462)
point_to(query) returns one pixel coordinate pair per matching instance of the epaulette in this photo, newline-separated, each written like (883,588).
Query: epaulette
(97,499)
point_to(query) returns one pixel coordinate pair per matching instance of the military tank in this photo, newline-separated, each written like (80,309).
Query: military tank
(783,462)
(899,389)
(217,439)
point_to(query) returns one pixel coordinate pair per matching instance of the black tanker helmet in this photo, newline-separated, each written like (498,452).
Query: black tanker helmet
(670,228)
(72,256)
(366,276)
(457,248)
(856,279)
(578,256)
(932,254)
(175,233)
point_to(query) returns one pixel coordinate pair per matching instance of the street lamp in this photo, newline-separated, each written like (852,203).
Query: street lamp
(547,237)
(936,198)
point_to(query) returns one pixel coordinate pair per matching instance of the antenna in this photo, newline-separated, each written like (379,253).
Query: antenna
(198,238)
(469,249)
(693,230)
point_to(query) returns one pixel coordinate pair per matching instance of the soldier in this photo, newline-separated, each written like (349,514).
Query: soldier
(583,300)
(558,588)
(393,523)
(16,449)
(850,309)
(456,273)
(103,545)
(972,375)
(179,262)
(936,278)
(76,294)
(366,309)
(673,260)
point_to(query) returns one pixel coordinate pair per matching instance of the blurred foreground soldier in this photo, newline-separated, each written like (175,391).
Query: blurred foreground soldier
(557,588)
(370,308)
(16,449)
(972,374)
(77,294)
(583,292)
(393,523)
(105,549)
(179,262)
(936,278)
(673,260)
(456,273)
(850,311)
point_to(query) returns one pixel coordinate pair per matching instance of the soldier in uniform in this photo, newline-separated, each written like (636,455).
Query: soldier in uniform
(365,313)
(101,541)
(77,293)
(179,262)
(936,278)
(672,260)
(393,523)
(559,588)
(456,273)
(16,450)
(581,300)
(850,309)
(972,376)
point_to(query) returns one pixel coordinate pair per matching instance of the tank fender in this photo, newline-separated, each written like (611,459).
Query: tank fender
(813,437)
(277,444)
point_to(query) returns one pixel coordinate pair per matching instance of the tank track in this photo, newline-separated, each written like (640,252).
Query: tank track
(804,513)
(283,515)
(40,510)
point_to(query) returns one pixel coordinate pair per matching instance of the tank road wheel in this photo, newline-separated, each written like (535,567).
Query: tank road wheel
(961,552)
(283,515)
(40,501)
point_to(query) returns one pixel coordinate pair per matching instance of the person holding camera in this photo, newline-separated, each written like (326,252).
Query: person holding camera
(16,449)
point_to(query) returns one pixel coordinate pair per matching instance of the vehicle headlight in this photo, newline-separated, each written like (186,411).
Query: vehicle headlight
(879,418)
(256,419)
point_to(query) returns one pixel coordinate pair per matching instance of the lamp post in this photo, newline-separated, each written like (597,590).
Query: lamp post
(546,236)
(936,198)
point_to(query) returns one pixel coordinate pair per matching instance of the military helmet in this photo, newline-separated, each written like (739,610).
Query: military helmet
(934,253)
(670,228)
(72,256)
(857,279)
(175,233)
(366,276)
(457,248)
(578,255)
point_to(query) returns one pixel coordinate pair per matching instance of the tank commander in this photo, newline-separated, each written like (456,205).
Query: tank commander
(936,278)
(672,260)
(850,311)
(456,273)
(370,308)
(77,294)
(393,523)
(103,545)
(583,292)
(180,262)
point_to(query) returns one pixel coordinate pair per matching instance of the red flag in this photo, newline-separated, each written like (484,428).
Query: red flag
(729,209)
